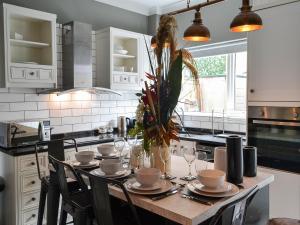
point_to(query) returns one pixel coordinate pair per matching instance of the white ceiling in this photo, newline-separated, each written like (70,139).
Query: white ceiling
(149,7)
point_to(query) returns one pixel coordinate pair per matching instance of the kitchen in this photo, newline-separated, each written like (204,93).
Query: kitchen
(82,112)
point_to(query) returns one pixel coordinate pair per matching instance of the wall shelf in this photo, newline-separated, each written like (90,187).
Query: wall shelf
(32,44)
(123,56)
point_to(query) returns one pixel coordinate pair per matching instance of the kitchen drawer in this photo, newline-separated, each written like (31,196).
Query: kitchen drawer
(32,74)
(30,182)
(30,200)
(45,74)
(30,217)
(29,163)
(17,73)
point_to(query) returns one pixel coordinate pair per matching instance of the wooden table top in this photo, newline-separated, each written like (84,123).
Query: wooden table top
(185,211)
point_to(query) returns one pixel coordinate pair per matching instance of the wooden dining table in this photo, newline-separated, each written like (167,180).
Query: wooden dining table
(185,211)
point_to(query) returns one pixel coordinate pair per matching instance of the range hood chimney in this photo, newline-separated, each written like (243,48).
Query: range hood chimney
(77,60)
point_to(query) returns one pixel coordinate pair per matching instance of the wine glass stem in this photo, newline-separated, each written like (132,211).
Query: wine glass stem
(190,172)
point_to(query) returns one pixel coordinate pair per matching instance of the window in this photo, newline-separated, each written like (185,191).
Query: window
(223,79)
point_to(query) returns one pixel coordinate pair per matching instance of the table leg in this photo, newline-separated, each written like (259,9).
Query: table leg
(52,200)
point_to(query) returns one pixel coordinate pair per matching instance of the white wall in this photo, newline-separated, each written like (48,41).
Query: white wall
(72,112)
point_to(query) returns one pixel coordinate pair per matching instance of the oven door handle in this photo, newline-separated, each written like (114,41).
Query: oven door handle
(277,123)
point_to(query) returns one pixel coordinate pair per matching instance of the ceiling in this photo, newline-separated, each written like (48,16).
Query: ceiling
(149,7)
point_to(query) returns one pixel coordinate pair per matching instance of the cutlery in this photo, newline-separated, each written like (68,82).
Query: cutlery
(196,199)
(169,193)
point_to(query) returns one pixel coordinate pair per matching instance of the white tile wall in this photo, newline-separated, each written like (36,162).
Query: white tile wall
(204,121)
(72,112)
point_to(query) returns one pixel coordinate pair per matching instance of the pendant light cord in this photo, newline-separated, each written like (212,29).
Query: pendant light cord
(188,3)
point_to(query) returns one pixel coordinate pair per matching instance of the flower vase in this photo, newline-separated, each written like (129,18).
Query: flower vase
(157,159)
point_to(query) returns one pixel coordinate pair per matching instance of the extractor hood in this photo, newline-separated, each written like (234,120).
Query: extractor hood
(77,60)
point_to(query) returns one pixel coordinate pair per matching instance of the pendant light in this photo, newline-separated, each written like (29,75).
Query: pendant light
(197,31)
(246,20)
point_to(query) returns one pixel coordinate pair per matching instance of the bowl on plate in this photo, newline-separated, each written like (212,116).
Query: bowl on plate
(84,157)
(111,166)
(147,177)
(211,178)
(106,149)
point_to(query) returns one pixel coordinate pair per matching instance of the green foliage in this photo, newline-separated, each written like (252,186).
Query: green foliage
(212,66)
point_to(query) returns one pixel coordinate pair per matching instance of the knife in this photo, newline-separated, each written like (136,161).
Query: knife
(196,199)
(172,192)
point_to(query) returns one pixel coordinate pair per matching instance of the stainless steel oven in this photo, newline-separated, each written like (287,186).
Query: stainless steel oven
(275,131)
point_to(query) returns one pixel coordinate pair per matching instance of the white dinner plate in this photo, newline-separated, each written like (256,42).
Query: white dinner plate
(137,186)
(165,186)
(119,174)
(230,193)
(92,164)
(225,188)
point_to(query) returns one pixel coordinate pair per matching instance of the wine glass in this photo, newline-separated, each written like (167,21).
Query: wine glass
(119,144)
(165,157)
(131,140)
(201,163)
(189,155)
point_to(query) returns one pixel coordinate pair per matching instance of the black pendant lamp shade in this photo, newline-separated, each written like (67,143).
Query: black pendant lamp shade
(197,31)
(246,20)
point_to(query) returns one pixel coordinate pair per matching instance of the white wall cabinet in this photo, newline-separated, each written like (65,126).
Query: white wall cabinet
(273,56)
(29,47)
(120,59)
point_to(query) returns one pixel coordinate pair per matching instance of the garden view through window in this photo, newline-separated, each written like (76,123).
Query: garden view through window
(223,80)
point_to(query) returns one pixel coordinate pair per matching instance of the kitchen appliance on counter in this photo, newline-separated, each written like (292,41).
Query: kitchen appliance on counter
(23,133)
(275,131)
(125,124)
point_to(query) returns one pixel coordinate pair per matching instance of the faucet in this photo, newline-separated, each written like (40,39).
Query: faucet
(212,123)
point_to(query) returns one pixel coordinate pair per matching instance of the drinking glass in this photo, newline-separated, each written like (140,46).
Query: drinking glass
(201,163)
(189,155)
(165,157)
(119,144)
(131,140)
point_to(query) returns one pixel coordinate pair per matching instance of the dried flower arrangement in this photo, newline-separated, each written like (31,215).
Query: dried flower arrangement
(161,93)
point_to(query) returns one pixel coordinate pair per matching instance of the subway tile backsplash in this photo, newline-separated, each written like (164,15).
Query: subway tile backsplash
(82,111)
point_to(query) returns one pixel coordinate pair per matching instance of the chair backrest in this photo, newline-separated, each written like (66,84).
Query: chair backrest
(61,168)
(239,207)
(101,203)
(55,148)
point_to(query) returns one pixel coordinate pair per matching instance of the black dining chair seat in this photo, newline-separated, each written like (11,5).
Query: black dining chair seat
(102,202)
(55,148)
(77,204)
(238,207)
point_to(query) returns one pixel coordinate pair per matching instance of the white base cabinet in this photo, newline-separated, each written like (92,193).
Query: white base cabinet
(273,56)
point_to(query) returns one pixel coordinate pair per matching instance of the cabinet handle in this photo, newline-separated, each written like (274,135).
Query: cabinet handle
(32,163)
(31,73)
(33,182)
(33,199)
(125,78)
(251,90)
(33,215)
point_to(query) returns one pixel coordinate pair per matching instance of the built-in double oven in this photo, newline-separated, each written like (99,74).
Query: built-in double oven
(275,131)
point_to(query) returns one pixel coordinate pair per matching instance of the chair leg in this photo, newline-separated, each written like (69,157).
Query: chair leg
(42,203)
(80,217)
(63,217)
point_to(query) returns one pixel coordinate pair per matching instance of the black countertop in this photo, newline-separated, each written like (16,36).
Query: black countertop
(92,138)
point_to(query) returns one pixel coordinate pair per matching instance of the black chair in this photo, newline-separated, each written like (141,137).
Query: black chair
(102,202)
(77,204)
(56,149)
(238,207)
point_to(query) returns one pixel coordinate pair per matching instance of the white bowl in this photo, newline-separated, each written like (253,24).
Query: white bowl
(212,178)
(122,52)
(147,177)
(111,166)
(106,149)
(84,157)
